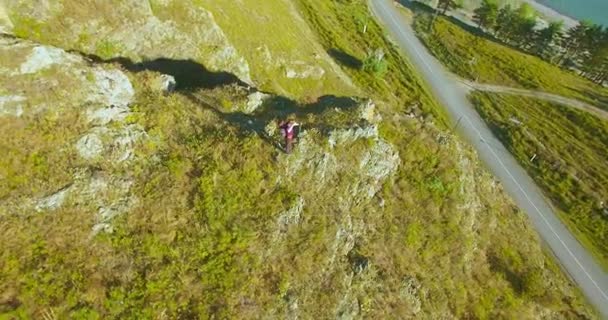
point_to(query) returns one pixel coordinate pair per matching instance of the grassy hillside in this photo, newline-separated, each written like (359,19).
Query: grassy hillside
(279,41)
(477,58)
(183,205)
(570,164)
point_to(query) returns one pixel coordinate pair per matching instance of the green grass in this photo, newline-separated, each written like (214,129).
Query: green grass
(281,39)
(571,148)
(477,58)
(340,30)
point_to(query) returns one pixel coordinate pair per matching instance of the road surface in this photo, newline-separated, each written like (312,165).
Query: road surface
(576,104)
(575,260)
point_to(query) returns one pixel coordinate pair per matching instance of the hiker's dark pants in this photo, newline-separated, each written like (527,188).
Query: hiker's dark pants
(288,145)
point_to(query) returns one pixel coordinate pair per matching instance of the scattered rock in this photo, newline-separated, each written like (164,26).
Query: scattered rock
(358,262)
(292,306)
(515,121)
(102,227)
(239,65)
(338,137)
(112,89)
(124,142)
(300,70)
(348,309)
(52,202)
(104,116)
(380,161)
(11,105)
(291,216)
(167,83)
(271,128)
(410,288)
(43,57)
(254,101)
(90,146)
(367,112)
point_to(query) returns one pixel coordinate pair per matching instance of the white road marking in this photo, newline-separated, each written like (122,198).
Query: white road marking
(519,186)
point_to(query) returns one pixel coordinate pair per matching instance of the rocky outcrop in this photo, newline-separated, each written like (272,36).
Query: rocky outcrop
(167,83)
(375,162)
(291,216)
(6,25)
(148,30)
(301,70)
(102,95)
(11,105)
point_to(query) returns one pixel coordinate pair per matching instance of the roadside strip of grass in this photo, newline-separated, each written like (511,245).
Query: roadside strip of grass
(569,149)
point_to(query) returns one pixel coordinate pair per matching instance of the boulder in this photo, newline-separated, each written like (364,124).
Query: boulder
(53,201)
(11,105)
(112,88)
(367,112)
(167,83)
(90,146)
(254,101)
(300,70)
(43,57)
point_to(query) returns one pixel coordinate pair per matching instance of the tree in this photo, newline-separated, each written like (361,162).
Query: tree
(574,41)
(524,35)
(505,22)
(547,39)
(486,15)
(516,26)
(525,23)
(376,63)
(526,12)
(447,5)
(595,63)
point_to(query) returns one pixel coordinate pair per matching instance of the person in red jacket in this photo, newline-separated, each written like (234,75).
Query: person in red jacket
(288,131)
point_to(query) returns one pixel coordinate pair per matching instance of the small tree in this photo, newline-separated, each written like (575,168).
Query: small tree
(575,41)
(375,63)
(486,15)
(534,284)
(595,64)
(525,23)
(505,22)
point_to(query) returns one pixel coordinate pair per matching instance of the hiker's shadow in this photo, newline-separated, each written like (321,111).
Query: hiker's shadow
(275,109)
(246,124)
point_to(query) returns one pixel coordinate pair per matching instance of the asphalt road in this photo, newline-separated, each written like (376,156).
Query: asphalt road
(574,259)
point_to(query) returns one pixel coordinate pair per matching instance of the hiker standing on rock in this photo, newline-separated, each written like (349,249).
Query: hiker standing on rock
(288,131)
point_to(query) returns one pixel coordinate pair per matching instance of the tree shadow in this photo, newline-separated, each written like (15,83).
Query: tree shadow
(498,265)
(417,7)
(345,59)
(282,107)
(189,74)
